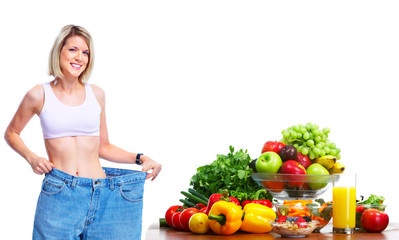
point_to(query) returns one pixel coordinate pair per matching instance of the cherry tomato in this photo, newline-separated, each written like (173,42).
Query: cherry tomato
(374,220)
(176,221)
(169,213)
(360,209)
(203,210)
(185,217)
(200,205)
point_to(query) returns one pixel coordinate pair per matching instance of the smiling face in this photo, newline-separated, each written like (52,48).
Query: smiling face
(74,57)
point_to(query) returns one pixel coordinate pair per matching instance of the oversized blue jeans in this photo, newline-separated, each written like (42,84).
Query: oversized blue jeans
(71,208)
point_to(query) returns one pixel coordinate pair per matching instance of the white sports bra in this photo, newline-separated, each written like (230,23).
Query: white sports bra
(61,120)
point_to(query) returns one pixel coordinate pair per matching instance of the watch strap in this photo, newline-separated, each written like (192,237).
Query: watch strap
(138,158)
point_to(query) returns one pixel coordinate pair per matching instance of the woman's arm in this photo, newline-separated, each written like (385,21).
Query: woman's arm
(113,153)
(30,105)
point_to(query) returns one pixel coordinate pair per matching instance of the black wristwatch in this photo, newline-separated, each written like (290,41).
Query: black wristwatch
(138,158)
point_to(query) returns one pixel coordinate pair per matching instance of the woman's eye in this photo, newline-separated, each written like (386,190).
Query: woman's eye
(72,50)
(86,53)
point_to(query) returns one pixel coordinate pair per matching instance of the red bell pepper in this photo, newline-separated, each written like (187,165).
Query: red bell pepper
(265,202)
(220,197)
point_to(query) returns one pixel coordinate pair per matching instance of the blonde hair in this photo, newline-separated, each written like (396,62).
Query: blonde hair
(54,68)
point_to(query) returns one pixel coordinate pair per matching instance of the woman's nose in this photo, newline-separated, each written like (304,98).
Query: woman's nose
(78,56)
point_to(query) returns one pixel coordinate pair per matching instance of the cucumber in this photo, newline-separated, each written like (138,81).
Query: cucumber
(195,193)
(188,203)
(162,223)
(193,198)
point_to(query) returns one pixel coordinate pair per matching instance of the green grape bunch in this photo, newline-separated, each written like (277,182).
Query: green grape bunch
(310,140)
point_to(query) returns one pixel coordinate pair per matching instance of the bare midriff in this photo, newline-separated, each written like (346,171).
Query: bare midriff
(77,155)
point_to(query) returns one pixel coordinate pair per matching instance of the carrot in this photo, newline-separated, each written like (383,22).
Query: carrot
(299,214)
(320,219)
(322,207)
(294,202)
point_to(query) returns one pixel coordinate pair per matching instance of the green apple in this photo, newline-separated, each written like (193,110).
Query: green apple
(317,182)
(268,162)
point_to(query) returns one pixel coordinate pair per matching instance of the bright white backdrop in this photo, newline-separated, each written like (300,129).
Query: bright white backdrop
(186,79)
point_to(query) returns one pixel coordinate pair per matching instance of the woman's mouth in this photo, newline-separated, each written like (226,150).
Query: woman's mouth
(76,66)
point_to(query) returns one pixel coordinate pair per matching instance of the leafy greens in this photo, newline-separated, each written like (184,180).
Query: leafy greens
(373,200)
(231,172)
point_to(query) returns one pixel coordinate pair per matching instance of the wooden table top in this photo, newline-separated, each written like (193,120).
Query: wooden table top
(156,233)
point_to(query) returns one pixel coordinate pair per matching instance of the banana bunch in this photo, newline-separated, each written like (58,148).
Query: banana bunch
(330,163)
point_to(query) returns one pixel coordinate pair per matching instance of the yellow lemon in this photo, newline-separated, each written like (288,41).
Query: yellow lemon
(198,223)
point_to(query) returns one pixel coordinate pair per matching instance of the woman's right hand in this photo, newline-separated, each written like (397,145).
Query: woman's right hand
(40,165)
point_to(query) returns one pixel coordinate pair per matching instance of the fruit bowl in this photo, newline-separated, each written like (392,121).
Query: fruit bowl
(360,208)
(285,186)
(320,214)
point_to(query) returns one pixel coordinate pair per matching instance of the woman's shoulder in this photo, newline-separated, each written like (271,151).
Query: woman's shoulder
(98,93)
(34,98)
(36,93)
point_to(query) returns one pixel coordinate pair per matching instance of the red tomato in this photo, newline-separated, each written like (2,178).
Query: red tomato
(200,205)
(374,220)
(360,209)
(176,220)
(272,146)
(169,213)
(185,217)
(203,210)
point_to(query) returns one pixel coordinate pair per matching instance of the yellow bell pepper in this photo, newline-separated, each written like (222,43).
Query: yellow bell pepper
(225,218)
(257,218)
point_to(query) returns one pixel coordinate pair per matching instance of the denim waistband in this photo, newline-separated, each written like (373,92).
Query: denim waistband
(115,176)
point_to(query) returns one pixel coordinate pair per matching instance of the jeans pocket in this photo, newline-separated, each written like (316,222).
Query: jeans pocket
(52,187)
(132,191)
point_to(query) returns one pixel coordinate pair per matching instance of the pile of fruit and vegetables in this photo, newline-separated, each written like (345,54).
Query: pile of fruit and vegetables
(223,198)
(304,150)
(370,214)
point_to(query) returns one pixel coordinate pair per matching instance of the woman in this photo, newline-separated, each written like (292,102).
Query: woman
(79,198)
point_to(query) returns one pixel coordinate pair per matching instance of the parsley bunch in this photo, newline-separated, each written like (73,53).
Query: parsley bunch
(231,172)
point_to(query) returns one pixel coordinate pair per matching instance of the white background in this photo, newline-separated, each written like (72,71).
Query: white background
(186,79)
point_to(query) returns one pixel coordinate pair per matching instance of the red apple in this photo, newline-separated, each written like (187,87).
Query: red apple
(374,220)
(297,170)
(272,146)
(303,160)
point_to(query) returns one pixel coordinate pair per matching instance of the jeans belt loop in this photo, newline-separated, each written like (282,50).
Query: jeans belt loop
(111,184)
(74,179)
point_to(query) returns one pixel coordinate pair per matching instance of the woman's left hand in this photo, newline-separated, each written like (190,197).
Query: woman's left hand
(149,164)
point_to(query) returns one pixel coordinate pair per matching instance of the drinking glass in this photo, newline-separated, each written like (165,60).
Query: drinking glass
(344,203)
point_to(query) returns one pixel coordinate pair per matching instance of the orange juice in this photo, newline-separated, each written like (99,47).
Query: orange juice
(344,207)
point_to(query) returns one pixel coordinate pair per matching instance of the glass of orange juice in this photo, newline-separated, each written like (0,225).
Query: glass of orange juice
(344,203)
